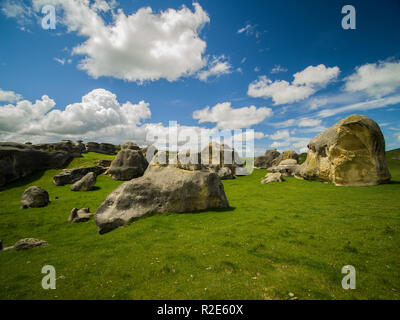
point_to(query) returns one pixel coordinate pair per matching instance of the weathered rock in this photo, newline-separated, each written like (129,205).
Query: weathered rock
(149,152)
(272,177)
(163,188)
(86,183)
(130,145)
(221,155)
(20,160)
(351,153)
(79,215)
(288,162)
(285,155)
(104,148)
(265,161)
(29,243)
(103,163)
(128,164)
(34,197)
(289,167)
(64,145)
(80,146)
(225,173)
(69,176)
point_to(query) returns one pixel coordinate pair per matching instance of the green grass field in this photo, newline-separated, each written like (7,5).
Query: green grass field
(276,239)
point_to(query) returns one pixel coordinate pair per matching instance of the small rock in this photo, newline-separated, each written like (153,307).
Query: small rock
(291,294)
(272,177)
(80,215)
(29,243)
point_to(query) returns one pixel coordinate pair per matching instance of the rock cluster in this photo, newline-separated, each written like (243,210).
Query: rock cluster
(285,155)
(104,148)
(69,176)
(21,160)
(165,187)
(68,146)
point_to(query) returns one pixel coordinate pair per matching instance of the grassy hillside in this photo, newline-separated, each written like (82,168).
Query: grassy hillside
(276,239)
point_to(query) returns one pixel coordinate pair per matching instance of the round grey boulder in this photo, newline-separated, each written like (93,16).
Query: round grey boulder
(34,197)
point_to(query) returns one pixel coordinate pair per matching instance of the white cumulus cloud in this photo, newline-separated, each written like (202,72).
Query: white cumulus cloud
(227,117)
(216,67)
(142,46)
(97,115)
(376,79)
(9,96)
(305,83)
(319,75)
(281,92)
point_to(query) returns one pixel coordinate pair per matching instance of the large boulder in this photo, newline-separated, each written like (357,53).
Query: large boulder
(265,161)
(104,148)
(285,155)
(34,197)
(350,153)
(163,188)
(128,164)
(86,183)
(20,160)
(69,176)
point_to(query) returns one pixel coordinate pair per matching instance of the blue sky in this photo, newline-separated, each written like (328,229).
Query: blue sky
(286,69)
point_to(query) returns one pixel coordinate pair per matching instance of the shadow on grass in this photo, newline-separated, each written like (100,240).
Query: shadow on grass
(95,188)
(23,181)
(394,182)
(207,210)
(149,215)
